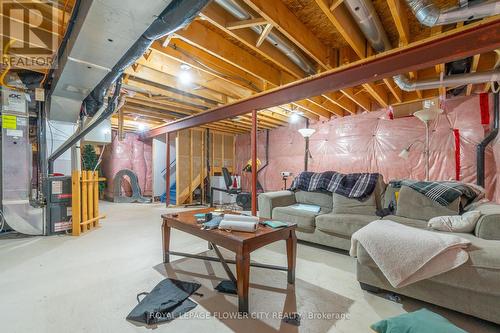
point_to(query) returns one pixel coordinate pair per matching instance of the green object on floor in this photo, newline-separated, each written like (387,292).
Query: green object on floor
(421,321)
(275,224)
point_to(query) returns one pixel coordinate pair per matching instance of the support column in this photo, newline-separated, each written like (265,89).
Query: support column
(167,170)
(254,162)
(121,133)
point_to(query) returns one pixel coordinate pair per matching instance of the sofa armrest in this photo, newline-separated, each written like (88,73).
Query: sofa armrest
(268,201)
(488,226)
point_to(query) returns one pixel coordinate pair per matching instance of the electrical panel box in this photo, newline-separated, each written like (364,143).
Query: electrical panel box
(59,204)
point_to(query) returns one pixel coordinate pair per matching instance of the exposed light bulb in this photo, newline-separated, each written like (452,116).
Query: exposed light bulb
(294,117)
(141,127)
(185,77)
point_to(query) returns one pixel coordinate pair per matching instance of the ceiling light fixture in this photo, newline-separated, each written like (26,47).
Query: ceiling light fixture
(184,76)
(294,117)
(141,127)
(307,132)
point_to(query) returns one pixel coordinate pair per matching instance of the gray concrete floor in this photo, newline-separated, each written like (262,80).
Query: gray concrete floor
(89,284)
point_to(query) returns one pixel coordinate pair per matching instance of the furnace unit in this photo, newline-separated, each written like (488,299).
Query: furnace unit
(58,204)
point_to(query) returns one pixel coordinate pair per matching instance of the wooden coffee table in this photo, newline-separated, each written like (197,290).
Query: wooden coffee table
(241,243)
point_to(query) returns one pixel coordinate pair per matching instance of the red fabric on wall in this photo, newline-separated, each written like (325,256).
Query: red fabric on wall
(456,132)
(484,108)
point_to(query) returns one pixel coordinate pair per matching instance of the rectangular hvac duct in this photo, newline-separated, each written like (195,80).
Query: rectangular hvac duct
(103,32)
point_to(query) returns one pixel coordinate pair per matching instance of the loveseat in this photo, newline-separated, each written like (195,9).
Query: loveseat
(473,288)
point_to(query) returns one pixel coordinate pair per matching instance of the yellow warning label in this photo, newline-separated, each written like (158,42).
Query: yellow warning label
(9,122)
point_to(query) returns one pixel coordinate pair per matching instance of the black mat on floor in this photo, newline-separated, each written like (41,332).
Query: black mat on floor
(168,300)
(227,287)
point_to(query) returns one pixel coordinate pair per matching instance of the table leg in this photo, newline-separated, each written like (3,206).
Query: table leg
(291,251)
(166,242)
(243,279)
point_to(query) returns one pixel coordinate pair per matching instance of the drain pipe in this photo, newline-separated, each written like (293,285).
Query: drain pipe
(274,38)
(429,15)
(481,147)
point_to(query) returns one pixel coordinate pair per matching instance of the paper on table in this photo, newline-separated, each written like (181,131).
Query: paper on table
(241,218)
(238,225)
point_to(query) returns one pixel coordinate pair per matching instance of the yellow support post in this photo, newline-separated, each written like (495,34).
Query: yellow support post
(84,197)
(90,198)
(75,203)
(96,197)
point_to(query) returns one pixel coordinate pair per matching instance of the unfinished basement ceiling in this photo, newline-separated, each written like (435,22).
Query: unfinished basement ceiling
(227,62)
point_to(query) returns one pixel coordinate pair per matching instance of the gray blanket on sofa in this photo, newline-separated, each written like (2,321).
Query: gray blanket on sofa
(354,185)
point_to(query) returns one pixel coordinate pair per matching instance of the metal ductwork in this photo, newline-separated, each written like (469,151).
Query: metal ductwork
(101,33)
(481,147)
(448,81)
(430,15)
(366,17)
(368,21)
(280,42)
(176,15)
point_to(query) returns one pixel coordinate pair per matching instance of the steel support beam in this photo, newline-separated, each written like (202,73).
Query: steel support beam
(167,170)
(476,38)
(254,162)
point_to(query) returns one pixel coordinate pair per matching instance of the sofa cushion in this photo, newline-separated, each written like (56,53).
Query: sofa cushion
(407,221)
(343,224)
(303,218)
(368,206)
(324,200)
(488,225)
(344,205)
(269,200)
(415,205)
(481,273)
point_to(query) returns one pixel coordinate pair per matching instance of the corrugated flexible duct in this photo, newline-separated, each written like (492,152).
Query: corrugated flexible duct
(428,14)
(367,18)
(274,38)
(178,14)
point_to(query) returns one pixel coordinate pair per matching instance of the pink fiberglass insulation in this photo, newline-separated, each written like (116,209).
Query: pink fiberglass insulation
(138,162)
(148,158)
(371,142)
(131,153)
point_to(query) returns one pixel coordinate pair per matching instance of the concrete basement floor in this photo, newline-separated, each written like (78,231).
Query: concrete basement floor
(89,283)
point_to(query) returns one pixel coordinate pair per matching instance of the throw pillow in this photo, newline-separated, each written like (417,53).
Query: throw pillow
(419,321)
(456,223)
(415,205)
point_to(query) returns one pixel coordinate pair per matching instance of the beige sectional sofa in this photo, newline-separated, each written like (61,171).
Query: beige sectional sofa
(473,288)
(337,220)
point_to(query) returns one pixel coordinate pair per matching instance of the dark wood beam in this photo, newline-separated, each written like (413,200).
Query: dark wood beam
(456,44)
